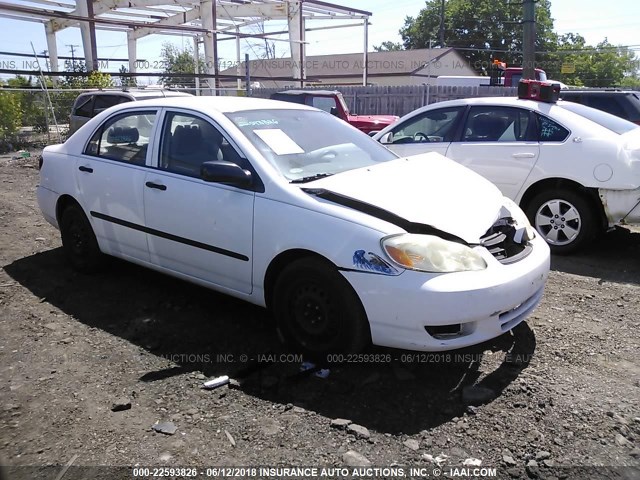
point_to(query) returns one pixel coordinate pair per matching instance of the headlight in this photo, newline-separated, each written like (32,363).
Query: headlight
(427,253)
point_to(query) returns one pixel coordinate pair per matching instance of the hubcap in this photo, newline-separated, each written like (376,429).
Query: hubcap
(558,221)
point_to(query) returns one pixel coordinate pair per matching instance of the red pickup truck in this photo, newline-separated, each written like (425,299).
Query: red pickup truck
(333,102)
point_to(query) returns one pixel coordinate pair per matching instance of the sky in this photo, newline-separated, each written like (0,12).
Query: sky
(586,17)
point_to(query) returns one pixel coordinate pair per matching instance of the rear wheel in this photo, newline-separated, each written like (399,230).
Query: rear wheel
(78,240)
(564,218)
(318,311)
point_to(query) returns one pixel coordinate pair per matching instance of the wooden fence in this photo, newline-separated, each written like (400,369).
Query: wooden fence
(379,100)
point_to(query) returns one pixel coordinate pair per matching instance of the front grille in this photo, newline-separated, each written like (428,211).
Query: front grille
(500,241)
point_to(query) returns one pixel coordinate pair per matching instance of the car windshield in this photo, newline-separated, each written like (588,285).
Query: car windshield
(611,122)
(306,144)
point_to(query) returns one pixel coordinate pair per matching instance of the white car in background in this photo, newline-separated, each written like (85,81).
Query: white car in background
(290,208)
(574,170)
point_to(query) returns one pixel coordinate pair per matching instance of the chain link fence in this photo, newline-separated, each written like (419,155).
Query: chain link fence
(34,118)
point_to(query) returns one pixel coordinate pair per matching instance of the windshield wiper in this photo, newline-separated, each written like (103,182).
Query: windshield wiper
(310,178)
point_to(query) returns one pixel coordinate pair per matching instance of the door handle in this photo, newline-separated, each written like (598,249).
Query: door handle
(523,155)
(157,186)
(82,168)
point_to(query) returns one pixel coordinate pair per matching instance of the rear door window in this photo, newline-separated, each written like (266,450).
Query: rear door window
(124,138)
(496,124)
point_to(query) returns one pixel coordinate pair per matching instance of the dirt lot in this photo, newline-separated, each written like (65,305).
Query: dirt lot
(561,391)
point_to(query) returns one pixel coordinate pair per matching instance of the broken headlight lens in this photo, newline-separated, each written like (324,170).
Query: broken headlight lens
(525,231)
(427,253)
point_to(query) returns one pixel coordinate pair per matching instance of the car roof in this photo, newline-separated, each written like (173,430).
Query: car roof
(599,92)
(554,110)
(495,101)
(152,93)
(220,104)
(309,92)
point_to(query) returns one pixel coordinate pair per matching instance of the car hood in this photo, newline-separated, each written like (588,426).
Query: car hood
(428,189)
(381,120)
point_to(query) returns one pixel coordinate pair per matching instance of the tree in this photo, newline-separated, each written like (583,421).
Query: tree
(632,81)
(98,79)
(178,61)
(31,102)
(388,47)
(604,65)
(10,116)
(73,81)
(482,29)
(126,81)
(266,48)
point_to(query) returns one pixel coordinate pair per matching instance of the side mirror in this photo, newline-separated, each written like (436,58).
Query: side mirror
(227,173)
(334,111)
(386,138)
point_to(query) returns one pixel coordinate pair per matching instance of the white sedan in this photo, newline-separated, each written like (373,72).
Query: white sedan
(574,170)
(289,208)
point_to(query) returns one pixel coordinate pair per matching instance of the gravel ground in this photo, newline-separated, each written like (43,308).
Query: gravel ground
(559,392)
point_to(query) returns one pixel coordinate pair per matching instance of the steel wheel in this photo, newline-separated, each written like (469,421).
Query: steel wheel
(318,311)
(313,309)
(78,240)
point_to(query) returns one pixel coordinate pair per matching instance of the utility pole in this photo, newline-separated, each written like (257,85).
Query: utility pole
(529,40)
(73,55)
(441,33)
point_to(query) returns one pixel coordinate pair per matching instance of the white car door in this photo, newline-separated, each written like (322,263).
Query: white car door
(196,228)
(500,144)
(429,131)
(110,177)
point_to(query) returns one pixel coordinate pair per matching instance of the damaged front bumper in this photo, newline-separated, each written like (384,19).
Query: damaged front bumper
(436,312)
(621,207)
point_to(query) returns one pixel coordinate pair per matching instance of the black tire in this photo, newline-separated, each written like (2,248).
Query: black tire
(311,285)
(564,234)
(78,240)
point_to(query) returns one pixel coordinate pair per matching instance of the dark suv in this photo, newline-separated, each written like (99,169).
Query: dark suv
(621,103)
(90,104)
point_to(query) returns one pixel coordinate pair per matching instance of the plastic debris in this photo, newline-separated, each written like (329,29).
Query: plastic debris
(216,382)
(307,366)
(318,372)
(230,438)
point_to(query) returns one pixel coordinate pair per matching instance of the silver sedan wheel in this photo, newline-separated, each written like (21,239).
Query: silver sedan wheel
(558,221)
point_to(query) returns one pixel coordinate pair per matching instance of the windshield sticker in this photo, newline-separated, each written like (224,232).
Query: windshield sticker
(278,141)
(371,261)
(269,122)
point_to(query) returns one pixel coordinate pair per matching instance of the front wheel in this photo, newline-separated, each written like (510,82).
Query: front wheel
(565,219)
(78,240)
(317,310)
